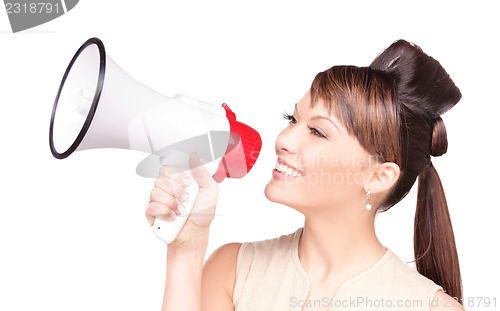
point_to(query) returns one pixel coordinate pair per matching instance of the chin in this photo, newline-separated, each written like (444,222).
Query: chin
(279,194)
(270,193)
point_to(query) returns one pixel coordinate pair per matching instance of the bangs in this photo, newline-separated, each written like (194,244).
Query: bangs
(363,101)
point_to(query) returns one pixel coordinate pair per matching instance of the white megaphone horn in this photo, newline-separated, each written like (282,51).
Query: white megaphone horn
(98,105)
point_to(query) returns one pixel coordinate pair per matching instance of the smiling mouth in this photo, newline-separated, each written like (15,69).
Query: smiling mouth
(288,171)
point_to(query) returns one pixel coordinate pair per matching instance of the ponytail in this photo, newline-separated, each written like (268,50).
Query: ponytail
(434,243)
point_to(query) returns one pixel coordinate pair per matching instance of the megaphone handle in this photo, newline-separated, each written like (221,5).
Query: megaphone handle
(167,230)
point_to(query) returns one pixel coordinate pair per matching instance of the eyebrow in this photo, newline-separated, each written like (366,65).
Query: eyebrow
(325,118)
(321,117)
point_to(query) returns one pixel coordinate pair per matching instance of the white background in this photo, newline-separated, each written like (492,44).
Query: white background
(73,235)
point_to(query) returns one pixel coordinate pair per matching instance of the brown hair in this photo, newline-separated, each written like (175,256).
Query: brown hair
(393,108)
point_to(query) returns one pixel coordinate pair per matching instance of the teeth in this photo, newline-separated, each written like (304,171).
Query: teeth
(288,171)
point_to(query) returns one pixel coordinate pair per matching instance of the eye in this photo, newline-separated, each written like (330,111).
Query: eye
(316,132)
(290,118)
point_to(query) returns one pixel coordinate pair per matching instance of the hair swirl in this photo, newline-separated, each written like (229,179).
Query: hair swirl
(439,144)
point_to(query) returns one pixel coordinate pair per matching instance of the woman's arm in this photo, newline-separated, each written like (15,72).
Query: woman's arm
(185,255)
(190,285)
(184,276)
(219,276)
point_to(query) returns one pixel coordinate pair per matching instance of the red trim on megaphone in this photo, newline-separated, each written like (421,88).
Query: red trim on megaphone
(242,150)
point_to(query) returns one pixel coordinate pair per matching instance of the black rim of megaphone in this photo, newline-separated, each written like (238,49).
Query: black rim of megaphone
(92,110)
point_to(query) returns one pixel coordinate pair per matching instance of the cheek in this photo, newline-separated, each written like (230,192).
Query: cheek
(332,179)
(340,171)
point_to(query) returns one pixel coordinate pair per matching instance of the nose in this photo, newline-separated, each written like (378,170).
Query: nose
(287,141)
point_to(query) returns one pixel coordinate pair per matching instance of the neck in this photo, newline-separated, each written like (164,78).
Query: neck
(338,244)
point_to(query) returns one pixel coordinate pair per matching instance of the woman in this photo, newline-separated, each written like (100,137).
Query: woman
(355,144)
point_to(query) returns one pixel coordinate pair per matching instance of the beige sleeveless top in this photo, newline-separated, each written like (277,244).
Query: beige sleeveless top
(270,277)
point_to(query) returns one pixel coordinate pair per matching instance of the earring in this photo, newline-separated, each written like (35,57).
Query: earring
(368,206)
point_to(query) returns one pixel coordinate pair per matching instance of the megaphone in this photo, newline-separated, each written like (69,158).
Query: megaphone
(98,105)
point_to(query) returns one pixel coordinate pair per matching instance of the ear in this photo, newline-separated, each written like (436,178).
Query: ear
(383,178)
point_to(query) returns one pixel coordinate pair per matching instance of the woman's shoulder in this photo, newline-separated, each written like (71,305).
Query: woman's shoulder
(394,281)
(439,299)
(231,256)
(404,272)
(226,256)
(284,241)
(442,301)
(226,262)
(219,270)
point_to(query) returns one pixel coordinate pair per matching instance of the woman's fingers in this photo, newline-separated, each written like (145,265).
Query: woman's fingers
(171,191)
(200,172)
(203,210)
(175,174)
(168,194)
(155,209)
(173,188)
(164,198)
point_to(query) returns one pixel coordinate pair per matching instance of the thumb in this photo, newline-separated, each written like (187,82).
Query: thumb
(200,172)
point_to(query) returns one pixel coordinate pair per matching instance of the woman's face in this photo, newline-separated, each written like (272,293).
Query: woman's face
(319,165)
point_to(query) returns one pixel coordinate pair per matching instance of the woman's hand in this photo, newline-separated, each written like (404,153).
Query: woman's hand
(167,199)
